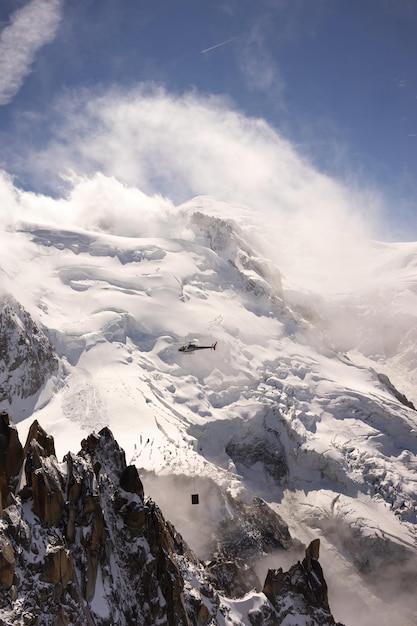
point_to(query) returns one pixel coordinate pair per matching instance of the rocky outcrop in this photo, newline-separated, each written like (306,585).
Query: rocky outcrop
(44,478)
(81,544)
(253,531)
(91,539)
(385,381)
(58,568)
(37,433)
(234,578)
(7,559)
(248,451)
(27,357)
(11,457)
(300,591)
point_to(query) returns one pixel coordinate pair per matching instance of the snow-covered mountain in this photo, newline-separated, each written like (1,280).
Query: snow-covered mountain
(80,544)
(307,401)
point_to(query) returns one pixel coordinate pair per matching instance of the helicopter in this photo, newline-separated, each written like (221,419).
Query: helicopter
(189,348)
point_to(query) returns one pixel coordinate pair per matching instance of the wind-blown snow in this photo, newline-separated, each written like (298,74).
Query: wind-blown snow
(292,364)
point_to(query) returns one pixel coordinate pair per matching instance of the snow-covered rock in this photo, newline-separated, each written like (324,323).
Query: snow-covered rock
(80,544)
(27,357)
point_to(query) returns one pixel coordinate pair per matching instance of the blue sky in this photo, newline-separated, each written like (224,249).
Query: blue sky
(327,87)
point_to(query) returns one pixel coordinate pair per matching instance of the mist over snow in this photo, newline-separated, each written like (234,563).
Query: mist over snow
(151,219)
(104,148)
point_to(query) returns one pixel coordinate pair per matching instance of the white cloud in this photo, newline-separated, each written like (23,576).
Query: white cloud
(30,28)
(149,145)
(182,146)
(98,203)
(260,71)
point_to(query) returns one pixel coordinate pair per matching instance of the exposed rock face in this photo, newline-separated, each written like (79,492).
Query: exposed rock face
(394,391)
(37,433)
(80,544)
(259,450)
(27,358)
(131,482)
(91,524)
(58,567)
(300,591)
(233,577)
(239,541)
(257,530)
(48,499)
(11,457)
(7,559)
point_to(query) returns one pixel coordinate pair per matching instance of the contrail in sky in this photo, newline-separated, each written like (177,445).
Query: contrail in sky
(223,43)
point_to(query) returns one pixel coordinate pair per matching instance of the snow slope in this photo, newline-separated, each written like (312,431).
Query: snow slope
(290,407)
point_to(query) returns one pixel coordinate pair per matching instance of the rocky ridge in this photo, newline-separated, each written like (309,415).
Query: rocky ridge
(27,357)
(81,544)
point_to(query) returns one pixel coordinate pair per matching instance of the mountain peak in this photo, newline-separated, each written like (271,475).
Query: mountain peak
(80,543)
(301,421)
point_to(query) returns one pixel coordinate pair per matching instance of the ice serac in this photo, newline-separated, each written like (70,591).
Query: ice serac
(81,544)
(258,276)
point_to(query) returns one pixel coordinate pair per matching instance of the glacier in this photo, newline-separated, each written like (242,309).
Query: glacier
(307,401)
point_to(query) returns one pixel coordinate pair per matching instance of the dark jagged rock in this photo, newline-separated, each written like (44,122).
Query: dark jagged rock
(131,482)
(108,446)
(27,357)
(93,522)
(7,560)
(97,552)
(300,591)
(37,433)
(259,450)
(58,567)
(43,476)
(384,380)
(11,457)
(253,531)
(233,578)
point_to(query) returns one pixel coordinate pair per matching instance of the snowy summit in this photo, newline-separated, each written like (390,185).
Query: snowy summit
(307,401)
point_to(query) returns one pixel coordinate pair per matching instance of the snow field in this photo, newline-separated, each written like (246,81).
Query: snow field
(118,308)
